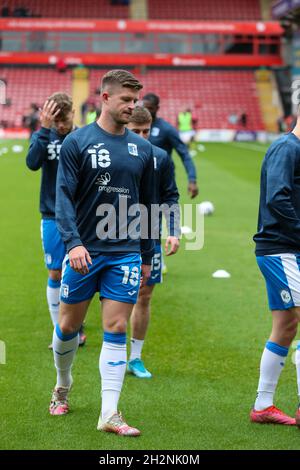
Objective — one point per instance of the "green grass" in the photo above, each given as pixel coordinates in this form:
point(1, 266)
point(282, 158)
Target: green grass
point(203, 346)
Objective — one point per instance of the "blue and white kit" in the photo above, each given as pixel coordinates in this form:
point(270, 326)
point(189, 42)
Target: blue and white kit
point(115, 277)
point(99, 175)
point(44, 153)
point(53, 246)
point(282, 276)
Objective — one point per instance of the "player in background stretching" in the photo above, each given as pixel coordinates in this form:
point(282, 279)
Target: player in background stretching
point(278, 256)
point(56, 123)
point(104, 172)
point(165, 136)
point(166, 192)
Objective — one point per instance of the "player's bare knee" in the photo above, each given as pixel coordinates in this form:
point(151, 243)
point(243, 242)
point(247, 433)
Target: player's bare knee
point(291, 328)
point(144, 299)
point(67, 327)
point(55, 274)
point(118, 325)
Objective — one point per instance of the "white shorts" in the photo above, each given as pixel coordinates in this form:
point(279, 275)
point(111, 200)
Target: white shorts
point(187, 136)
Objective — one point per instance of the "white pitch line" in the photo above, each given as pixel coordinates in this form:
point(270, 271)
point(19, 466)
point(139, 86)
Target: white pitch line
point(250, 147)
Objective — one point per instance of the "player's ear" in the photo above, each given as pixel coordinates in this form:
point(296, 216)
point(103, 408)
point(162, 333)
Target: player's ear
point(105, 96)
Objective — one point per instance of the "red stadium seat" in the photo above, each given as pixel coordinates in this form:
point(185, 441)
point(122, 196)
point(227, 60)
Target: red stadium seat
point(71, 8)
point(205, 10)
point(212, 95)
point(26, 86)
point(219, 94)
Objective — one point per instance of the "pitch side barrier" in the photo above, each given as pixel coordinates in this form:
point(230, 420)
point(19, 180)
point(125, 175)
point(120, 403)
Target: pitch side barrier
point(233, 135)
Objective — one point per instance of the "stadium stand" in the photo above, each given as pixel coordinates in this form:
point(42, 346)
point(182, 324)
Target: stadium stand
point(204, 10)
point(69, 8)
point(26, 86)
point(157, 9)
point(213, 95)
point(209, 93)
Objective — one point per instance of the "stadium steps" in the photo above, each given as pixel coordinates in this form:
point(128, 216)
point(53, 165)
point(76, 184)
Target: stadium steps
point(269, 99)
point(265, 10)
point(138, 10)
point(80, 91)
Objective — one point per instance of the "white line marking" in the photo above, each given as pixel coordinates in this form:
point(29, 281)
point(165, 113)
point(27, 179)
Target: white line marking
point(250, 147)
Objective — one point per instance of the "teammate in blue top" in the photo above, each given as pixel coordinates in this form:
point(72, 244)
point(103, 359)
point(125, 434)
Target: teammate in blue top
point(165, 136)
point(278, 256)
point(105, 172)
point(166, 192)
point(56, 123)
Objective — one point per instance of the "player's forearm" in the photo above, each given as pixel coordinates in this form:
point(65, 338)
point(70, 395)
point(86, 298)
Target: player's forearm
point(65, 212)
point(173, 221)
point(37, 153)
point(68, 229)
point(190, 169)
point(147, 250)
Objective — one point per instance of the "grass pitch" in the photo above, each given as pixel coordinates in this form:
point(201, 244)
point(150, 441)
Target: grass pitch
point(203, 346)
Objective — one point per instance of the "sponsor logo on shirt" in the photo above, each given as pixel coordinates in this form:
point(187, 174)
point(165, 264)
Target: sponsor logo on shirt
point(104, 179)
point(102, 183)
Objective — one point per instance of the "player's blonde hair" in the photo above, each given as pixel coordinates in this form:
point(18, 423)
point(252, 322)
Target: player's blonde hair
point(64, 103)
point(140, 115)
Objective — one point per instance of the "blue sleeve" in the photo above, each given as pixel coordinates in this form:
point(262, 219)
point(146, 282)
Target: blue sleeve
point(66, 186)
point(38, 152)
point(280, 181)
point(147, 197)
point(183, 152)
point(169, 195)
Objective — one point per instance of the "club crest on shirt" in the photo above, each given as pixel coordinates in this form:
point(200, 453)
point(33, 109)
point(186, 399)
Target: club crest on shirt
point(155, 131)
point(132, 149)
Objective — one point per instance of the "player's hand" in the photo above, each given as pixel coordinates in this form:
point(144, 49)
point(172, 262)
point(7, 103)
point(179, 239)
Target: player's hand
point(48, 114)
point(79, 258)
point(171, 246)
point(145, 274)
point(193, 190)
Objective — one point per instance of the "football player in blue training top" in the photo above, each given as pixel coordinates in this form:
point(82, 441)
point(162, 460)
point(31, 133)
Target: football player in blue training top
point(56, 123)
point(104, 195)
point(166, 192)
point(165, 136)
point(278, 257)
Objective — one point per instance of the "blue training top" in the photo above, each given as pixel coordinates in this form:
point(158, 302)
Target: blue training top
point(166, 191)
point(101, 178)
point(279, 205)
point(43, 153)
point(165, 136)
